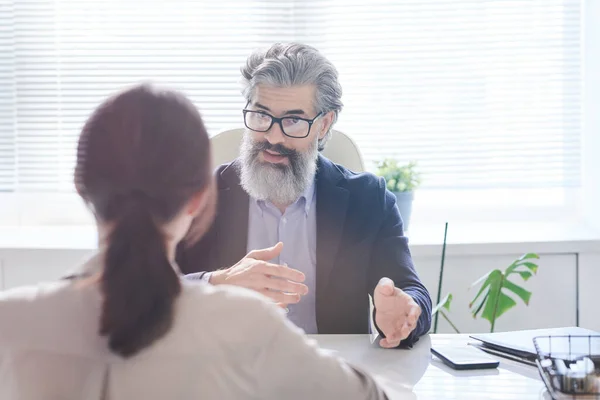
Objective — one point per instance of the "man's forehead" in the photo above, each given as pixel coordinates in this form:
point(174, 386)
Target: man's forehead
point(280, 100)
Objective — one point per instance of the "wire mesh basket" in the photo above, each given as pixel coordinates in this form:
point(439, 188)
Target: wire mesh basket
point(569, 365)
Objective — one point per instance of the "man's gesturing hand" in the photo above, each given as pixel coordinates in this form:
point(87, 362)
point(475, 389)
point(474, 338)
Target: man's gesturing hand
point(280, 283)
point(396, 313)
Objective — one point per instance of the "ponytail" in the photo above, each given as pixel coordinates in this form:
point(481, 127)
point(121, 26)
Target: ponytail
point(138, 283)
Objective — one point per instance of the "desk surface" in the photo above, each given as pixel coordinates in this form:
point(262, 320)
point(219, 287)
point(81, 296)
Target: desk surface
point(415, 374)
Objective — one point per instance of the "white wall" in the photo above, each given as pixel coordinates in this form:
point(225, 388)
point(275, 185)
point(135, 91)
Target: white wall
point(23, 267)
point(589, 290)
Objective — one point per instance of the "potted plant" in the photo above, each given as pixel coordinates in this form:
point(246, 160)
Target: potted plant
point(401, 180)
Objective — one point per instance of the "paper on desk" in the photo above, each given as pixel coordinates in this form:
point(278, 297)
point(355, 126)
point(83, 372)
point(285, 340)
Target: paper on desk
point(522, 341)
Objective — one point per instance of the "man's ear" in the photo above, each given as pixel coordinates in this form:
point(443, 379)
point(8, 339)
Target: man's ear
point(326, 122)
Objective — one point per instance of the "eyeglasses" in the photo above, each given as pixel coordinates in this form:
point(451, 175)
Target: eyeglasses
point(294, 127)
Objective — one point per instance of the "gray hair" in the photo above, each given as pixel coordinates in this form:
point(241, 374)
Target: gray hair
point(286, 65)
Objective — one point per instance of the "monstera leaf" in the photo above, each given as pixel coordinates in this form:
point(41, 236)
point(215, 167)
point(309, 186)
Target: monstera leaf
point(492, 300)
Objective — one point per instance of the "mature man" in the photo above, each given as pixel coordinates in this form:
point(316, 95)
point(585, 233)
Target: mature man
point(342, 233)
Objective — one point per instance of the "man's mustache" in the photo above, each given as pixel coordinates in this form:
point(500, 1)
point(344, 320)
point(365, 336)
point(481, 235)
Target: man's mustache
point(275, 148)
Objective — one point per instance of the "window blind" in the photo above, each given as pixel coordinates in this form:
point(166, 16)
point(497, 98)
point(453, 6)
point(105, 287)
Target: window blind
point(482, 94)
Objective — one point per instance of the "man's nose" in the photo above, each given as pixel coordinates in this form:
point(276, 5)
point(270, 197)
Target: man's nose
point(275, 134)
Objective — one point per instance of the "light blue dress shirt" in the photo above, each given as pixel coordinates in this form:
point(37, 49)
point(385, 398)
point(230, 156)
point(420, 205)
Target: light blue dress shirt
point(297, 230)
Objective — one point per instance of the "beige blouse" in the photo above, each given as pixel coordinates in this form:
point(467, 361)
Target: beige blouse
point(226, 343)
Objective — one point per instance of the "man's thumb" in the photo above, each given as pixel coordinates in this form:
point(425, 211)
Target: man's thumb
point(385, 287)
point(266, 254)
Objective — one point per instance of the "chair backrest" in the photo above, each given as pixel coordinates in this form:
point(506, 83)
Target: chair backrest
point(340, 149)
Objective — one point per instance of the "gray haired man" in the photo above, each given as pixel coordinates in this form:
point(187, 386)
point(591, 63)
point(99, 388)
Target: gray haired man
point(329, 237)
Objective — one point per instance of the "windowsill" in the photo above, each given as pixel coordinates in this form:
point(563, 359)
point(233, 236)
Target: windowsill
point(49, 237)
point(479, 238)
point(425, 239)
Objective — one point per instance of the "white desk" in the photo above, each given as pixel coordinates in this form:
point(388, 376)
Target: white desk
point(415, 374)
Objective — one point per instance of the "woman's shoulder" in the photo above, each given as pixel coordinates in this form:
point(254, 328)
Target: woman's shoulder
point(25, 296)
point(223, 298)
point(34, 309)
point(228, 307)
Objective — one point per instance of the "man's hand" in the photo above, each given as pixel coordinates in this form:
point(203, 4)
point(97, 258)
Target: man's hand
point(278, 282)
point(396, 313)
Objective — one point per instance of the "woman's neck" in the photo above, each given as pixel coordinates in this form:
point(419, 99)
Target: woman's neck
point(170, 244)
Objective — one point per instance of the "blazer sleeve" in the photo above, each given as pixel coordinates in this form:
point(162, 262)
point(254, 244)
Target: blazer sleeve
point(391, 258)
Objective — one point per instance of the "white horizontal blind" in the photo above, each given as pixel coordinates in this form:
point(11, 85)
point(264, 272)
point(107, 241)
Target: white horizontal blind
point(7, 98)
point(66, 56)
point(481, 93)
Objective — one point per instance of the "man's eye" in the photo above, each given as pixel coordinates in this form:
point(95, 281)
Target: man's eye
point(292, 121)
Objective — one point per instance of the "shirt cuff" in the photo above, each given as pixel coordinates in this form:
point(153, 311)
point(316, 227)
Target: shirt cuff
point(198, 276)
point(206, 277)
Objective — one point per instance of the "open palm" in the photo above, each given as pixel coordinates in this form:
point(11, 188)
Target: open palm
point(396, 313)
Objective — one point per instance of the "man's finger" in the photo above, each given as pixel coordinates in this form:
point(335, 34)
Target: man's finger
point(280, 271)
point(388, 344)
point(280, 297)
point(405, 331)
point(413, 314)
point(282, 285)
point(266, 254)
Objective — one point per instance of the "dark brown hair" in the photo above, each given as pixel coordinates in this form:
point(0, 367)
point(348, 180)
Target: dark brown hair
point(142, 155)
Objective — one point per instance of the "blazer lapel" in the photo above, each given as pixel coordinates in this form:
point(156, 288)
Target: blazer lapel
point(232, 220)
point(332, 205)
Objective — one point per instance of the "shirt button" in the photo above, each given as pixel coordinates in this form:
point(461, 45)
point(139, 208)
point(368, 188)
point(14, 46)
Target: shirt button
point(284, 220)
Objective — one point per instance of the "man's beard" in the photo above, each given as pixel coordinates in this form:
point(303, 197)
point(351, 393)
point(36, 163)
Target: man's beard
point(280, 184)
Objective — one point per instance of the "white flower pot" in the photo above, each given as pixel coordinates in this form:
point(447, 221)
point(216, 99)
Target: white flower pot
point(404, 201)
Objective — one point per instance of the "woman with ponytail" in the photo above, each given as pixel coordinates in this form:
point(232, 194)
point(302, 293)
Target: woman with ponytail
point(124, 325)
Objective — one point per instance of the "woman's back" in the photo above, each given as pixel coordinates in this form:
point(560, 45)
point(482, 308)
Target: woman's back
point(225, 343)
point(126, 327)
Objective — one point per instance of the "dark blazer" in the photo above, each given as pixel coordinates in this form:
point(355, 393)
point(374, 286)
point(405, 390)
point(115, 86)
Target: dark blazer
point(360, 239)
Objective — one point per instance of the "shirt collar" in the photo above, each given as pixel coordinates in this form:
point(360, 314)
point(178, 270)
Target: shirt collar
point(307, 197)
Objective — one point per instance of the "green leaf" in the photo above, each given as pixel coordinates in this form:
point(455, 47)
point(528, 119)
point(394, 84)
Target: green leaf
point(488, 280)
point(399, 178)
point(520, 261)
point(515, 265)
point(525, 295)
point(525, 275)
point(478, 281)
point(444, 303)
point(529, 265)
point(528, 256)
point(480, 306)
point(391, 184)
point(493, 295)
point(490, 310)
point(505, 303)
